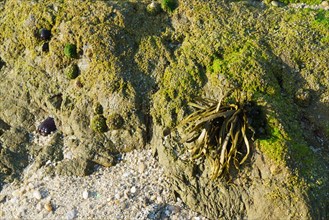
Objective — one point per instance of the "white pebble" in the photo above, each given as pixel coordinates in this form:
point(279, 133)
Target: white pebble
point(117, 196)
point(126, 174)
point(133, 189)
point(85, 194)
point(141, 167)
point(71, 214)
point(38, 207)
point(159, 199)
point(37, 194)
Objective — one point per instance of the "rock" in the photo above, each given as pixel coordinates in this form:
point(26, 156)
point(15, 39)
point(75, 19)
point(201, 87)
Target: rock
point(85, 194)
point(48, 206)
point(76, 166)
point(37, 194)
point(147, 69)
point(133, 190)
point(324, 4)
point(276, 3)
point(72, 214)
point(141, 167)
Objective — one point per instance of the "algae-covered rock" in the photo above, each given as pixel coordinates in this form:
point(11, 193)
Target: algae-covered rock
point(259, 52)
point(135, 73)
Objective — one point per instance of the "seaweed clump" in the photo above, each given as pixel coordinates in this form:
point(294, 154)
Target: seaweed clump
point(98, 124)
point(72, 71)
point(70, 50)
point(217, 132)
point(169, 5)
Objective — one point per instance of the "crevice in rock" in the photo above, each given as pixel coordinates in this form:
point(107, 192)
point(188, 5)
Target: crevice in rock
point(2, 63)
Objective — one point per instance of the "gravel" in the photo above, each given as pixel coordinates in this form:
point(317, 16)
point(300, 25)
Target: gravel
point(136, 188)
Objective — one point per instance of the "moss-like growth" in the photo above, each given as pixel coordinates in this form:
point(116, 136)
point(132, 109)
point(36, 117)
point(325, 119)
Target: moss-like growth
point(72, 71)
point(98, 108)
point(216, 66)
point(115, 121)
point(169, 5)
point(98, 124)
point(70, 50)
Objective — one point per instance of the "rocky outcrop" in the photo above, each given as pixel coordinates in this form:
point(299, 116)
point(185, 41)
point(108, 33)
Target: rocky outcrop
point(117, 76)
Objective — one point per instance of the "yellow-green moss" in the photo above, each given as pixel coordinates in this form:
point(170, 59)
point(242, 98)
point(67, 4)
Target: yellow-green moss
point(72, 71)
point(98, 124)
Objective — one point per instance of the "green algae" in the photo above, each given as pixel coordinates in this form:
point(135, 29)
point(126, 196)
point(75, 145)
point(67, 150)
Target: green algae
point(72, 71)
point(70, 50)
point(98, 124)
point(166, 60)
point(168, 5)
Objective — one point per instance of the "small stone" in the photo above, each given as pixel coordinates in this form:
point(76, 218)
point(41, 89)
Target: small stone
point(325, 4)
point(38, 207)
point(45, 34)
point(45, 47)
point(133, 190)
point(159, 199)
point(141, 167)
point(173, 209)
point(117, 196)
point(37, 194)
point(48, 206)
point(276, 3)
point(153, 198)
point(85, 194)
point(71, 214)
point(167, 212)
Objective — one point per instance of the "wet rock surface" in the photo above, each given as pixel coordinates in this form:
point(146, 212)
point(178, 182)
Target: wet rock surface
point(136, 68)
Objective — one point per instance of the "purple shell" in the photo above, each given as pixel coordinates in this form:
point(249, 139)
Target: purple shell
point(47, 126)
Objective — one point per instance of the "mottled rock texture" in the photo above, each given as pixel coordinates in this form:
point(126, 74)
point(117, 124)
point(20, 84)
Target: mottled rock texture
point(144, 68)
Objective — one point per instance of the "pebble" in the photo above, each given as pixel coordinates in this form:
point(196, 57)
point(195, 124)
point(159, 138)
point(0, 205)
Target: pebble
point(133, 190)
point(16, 193)
point(159, 199)
point(117, 196)
point(37, 194)
point(71, 214)
point(141, 167)
point(48, 206)
point(85, 194)
point(38, 207)
point(275, 3)
point(324, 4)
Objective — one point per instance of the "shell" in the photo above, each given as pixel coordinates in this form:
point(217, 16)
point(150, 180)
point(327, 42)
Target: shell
point(47, 126)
